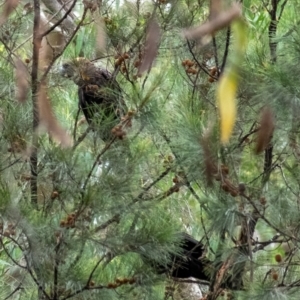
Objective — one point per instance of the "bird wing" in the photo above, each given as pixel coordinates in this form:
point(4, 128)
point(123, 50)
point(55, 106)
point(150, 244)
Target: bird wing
point(101, 94)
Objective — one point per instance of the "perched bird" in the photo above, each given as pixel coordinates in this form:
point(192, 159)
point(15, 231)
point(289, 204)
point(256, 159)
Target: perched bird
point(100, 96)
point(193, 263)
point(189, 263)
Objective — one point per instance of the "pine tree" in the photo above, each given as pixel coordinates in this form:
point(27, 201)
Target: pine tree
point(87, 218)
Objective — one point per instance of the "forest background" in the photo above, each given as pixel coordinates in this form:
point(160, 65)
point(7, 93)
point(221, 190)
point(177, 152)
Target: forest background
point(211, 149)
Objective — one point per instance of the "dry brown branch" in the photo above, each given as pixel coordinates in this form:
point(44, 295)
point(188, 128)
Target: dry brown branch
point(215, 8)
point(57, 12)
point(151, 46)
point(217, 23)
point(22, 80)
point(265, 131)
point(8, 8)
point(48, 120)
point(101, 35)
point(52, 44)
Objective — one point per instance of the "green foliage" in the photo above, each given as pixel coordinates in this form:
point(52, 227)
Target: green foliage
point(108, 216)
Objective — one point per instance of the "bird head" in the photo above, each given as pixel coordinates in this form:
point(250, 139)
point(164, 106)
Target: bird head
point(79, 70)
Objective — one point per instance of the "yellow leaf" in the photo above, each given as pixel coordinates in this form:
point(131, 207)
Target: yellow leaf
point(239, 29)
point(226, 91)
point(227, 104)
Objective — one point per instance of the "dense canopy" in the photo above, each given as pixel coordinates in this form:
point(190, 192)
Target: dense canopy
point(183, 183)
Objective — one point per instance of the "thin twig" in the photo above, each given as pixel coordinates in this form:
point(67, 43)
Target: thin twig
point(226, 50)
point(61, 20)
point(19, 287)
point(281, 9)
point(66, 45)
point(96, 162)
point(266, 220)
point(81, 138)
point(216, 54)
point(55, 273)
point(94, 269)
point(87, 285)
point(27, 267)
point(197, 61)
point(11, 164)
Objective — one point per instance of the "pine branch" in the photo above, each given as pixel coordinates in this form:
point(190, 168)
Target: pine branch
point(272, 30)
point(226, 50)
point(56, 266)
point(27, 267)
point(37, 39)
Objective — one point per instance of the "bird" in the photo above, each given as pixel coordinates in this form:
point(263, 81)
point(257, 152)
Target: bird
point(190, 262)
point(100, 96)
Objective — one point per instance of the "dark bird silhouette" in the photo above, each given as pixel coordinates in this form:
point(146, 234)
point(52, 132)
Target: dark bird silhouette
point(190, 262)
point(100, 96)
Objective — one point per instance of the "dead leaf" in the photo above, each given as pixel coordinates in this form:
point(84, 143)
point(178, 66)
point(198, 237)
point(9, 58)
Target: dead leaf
point(101, 35)
point(265, 132)
point(220, 21)
point(8, 8)
point(50, 45)
point(151, 46)
point(48, 120)
point(215, 8)
point(22, 81)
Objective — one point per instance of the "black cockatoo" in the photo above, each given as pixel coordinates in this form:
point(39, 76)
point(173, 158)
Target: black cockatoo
point(190, 263)
point(193, 263)
point(100, 96)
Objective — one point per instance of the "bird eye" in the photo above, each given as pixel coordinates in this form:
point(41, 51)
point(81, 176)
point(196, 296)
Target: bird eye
point(65, 65)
